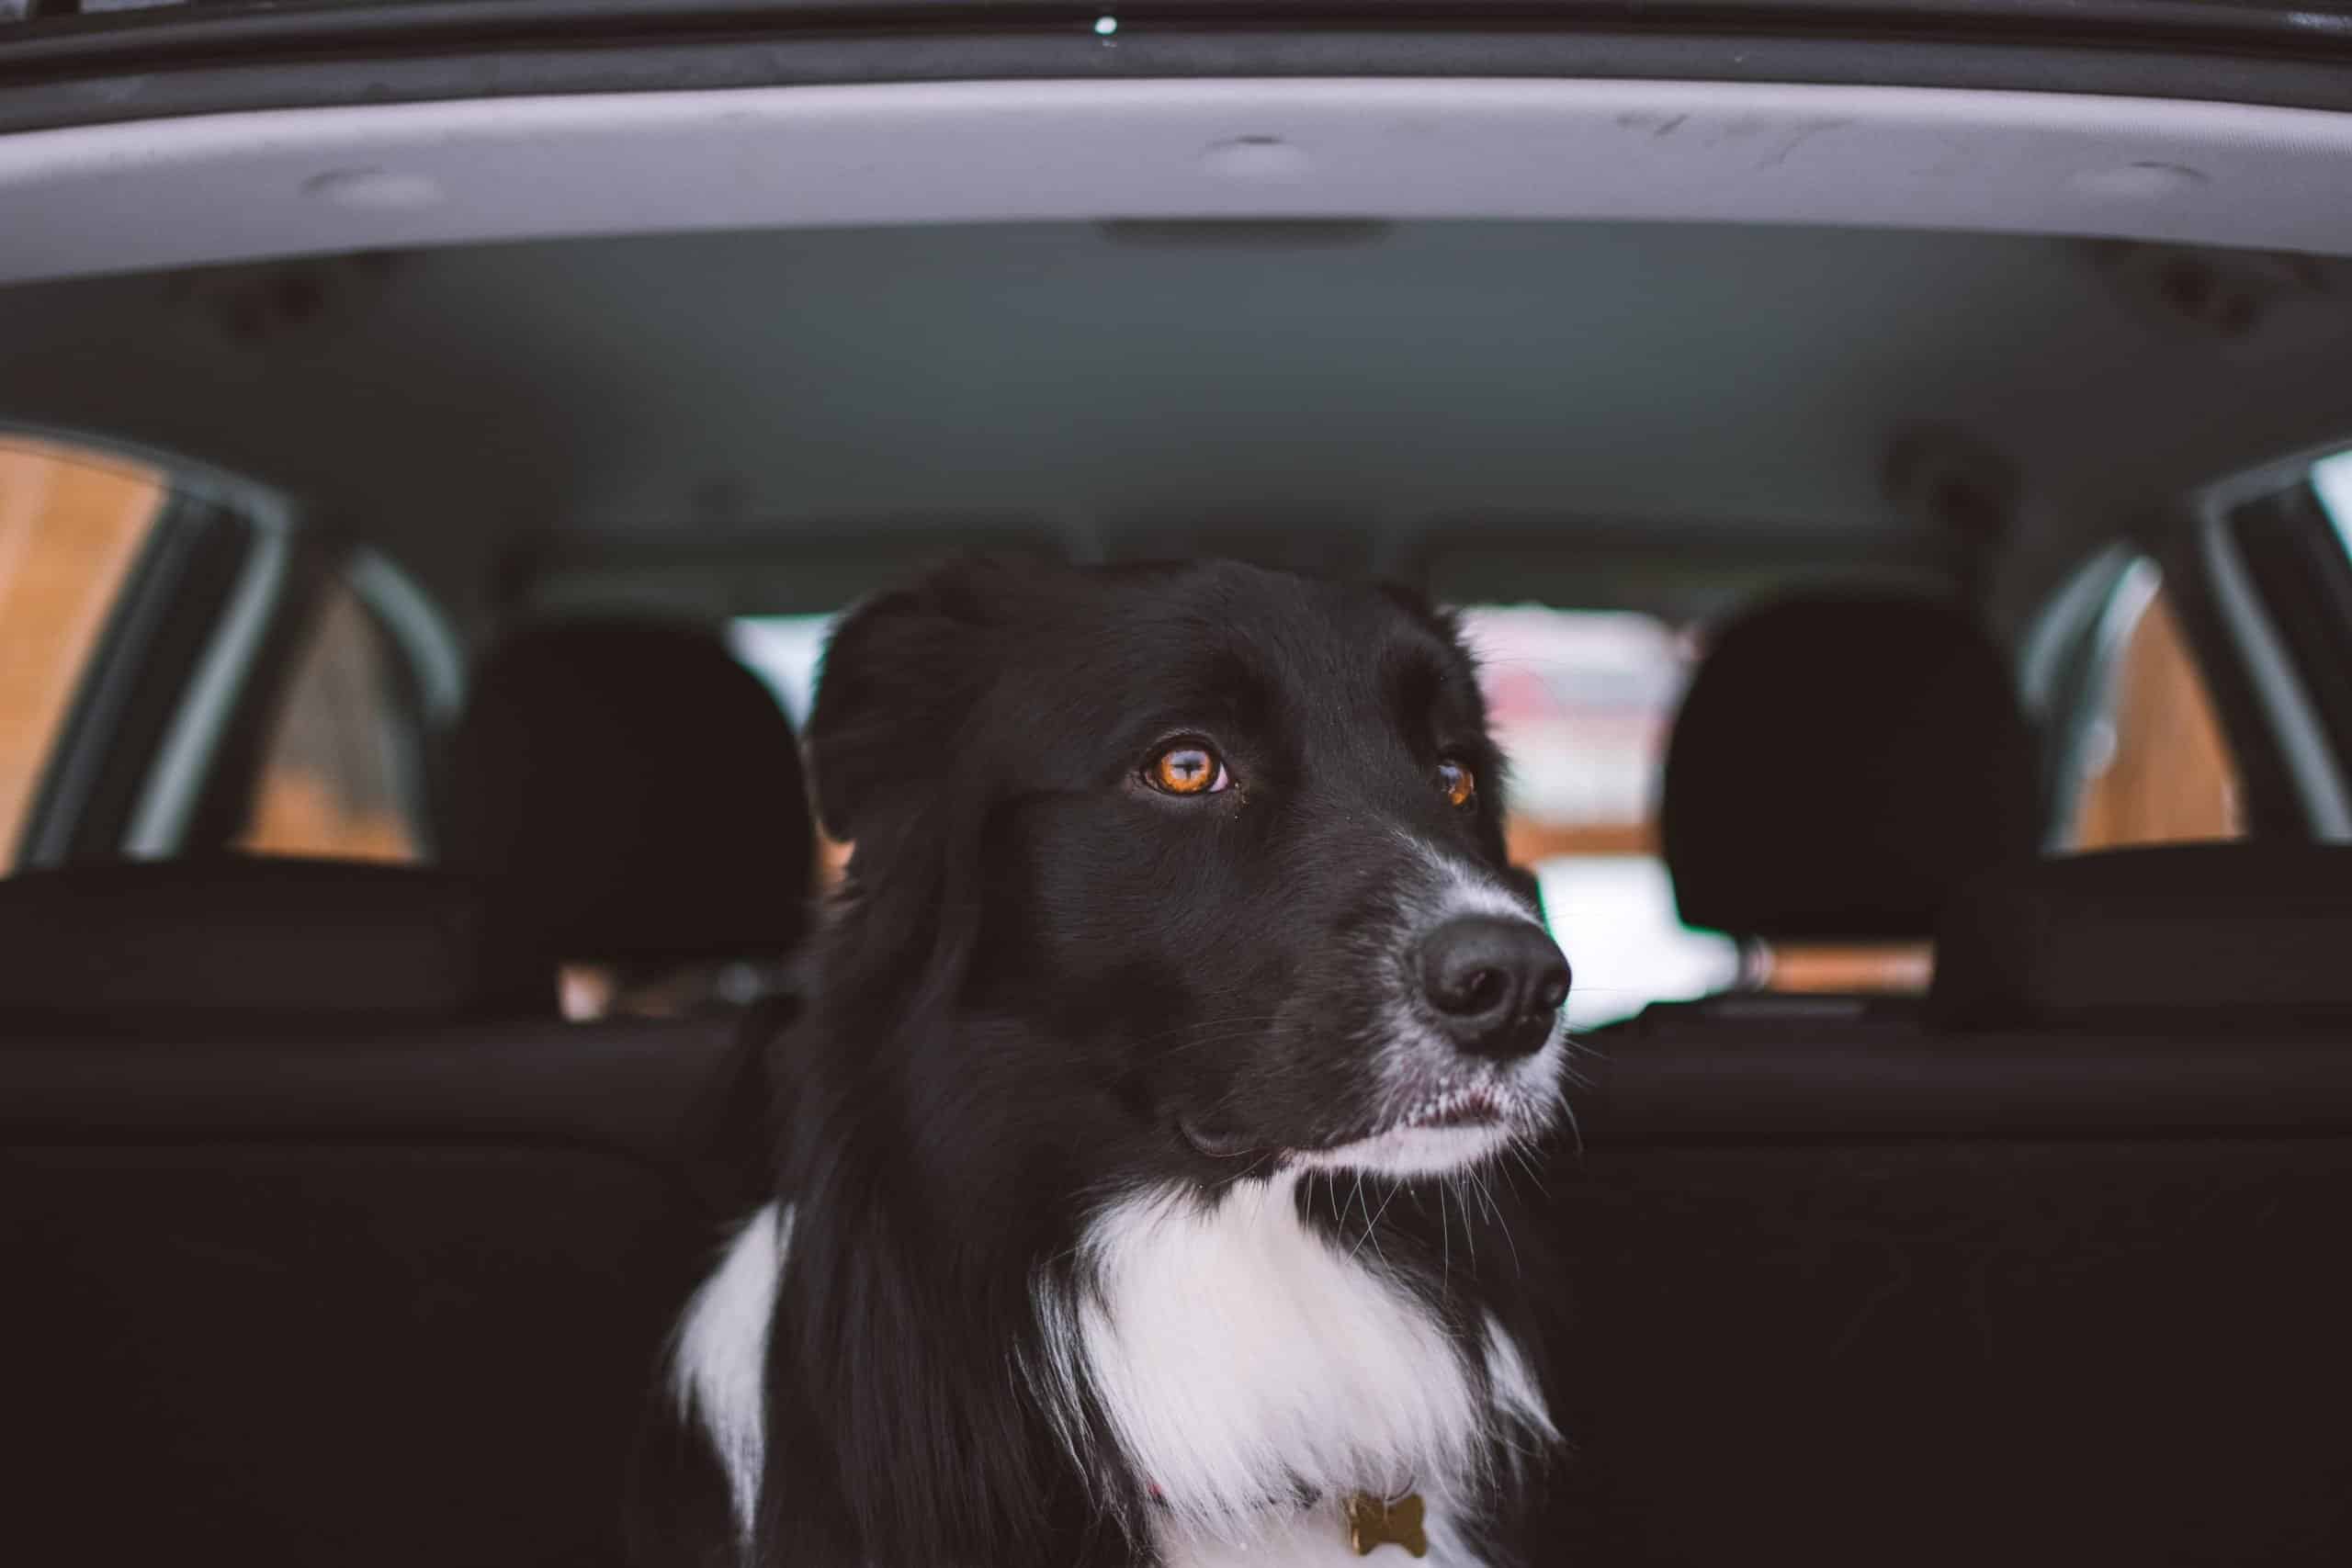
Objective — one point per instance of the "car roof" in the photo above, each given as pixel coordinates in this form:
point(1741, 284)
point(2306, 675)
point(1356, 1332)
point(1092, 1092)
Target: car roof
point(1612, 341)
point(1600, 413)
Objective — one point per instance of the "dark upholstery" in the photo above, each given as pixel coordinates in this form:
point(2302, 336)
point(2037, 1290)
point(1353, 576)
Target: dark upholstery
point(362, 1299)
point(2044, 1351)
point(1889, 1077)
point(634, 791)
point(1871, 1285)
point(283, 938)
point(328, 1243)
point(2183, 936)
point(1843, 761)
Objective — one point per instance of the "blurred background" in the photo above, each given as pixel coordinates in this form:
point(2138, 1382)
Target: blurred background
point(1583, 700)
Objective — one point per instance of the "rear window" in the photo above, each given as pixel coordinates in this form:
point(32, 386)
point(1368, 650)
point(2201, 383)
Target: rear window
point(1582, 703)
point(782, 650)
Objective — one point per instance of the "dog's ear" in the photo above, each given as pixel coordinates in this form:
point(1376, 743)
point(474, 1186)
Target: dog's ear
point(899, 678)
point(903, 687)
point(1409, 598)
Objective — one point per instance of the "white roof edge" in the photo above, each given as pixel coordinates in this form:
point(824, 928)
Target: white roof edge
point(170, 192)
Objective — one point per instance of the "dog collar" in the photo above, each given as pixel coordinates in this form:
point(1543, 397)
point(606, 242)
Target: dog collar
point(1372, 1521)
point(1376, 1522)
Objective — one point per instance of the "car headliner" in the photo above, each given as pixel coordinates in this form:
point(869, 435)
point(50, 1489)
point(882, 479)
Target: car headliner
point(1635, 391)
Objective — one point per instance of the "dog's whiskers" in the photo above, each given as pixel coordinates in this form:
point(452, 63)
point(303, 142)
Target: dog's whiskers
point(1502, 1222)
point(1372, 1226)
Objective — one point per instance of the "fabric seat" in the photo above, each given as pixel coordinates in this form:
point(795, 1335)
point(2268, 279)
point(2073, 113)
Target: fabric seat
point(634, 794)
point(2034, 1273)
point(327, 1240)
point(1843, 761)
point(2038, 1268)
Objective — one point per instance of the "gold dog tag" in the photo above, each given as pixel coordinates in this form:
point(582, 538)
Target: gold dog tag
point(1372, 1522)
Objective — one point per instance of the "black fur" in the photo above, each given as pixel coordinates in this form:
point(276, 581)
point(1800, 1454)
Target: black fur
point(1044, 983)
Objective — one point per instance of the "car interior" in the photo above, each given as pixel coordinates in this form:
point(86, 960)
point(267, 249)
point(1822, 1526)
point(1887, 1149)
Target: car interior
point(1925, 653)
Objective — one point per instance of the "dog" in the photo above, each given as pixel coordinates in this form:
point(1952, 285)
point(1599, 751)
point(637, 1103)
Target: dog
point(1147, 1136)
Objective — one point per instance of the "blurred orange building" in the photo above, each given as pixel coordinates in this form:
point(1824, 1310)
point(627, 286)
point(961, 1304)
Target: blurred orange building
point(70, 528)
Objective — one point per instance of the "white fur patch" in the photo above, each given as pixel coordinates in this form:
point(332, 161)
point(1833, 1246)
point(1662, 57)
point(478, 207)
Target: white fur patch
point(718, 1370)
point(1240, 1355)
point(1465, 889)
point(1413, 1056)
point(1412, 1151)
point(1518, 1397)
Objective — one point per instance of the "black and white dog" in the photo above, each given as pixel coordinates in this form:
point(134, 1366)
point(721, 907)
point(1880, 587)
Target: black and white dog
point(1144, 1138)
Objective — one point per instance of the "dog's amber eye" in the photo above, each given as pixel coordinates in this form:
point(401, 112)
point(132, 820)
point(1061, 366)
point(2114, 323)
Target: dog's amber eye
point(1457, 783)
point(1186, 768)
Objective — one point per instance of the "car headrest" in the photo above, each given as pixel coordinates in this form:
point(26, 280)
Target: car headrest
point(291, 938)
point(2180, 935)
point(634, 789)
point(1842, 761)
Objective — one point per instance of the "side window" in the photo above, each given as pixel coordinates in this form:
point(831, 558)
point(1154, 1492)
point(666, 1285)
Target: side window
point(70, 526)
point(337, 777)
point(2153, 766)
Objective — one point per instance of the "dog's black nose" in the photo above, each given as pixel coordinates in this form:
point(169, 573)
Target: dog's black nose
point(1496, 984)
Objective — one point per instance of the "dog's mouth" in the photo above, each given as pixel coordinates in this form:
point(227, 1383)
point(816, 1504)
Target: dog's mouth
point(1483, 1106)
point(1472, 1105)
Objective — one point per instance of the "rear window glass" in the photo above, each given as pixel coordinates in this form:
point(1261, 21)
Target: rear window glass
point(782, 650)
point(1582, 703)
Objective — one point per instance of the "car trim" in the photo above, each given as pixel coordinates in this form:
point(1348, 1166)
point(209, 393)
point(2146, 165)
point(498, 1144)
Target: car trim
point(228, 187)
point(2294, 726)
point(182, 764)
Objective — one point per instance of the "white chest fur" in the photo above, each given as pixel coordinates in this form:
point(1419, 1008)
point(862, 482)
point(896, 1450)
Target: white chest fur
point(1239, 1356)
point(717, 1370)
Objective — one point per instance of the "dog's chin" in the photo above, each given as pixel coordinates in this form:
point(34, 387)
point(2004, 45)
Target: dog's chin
point(1449, 1130)
point(1409, 1151)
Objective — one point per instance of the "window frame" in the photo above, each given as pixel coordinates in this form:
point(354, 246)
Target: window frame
point(2068, 673)
point(2261, 585)
point(2299, 567)
point(2294, 759)
point(425, 690)
point(156, 641)
point(167, 728)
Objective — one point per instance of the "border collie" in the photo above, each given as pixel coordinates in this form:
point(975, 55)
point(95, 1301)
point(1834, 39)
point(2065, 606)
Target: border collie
point(1142, 1193)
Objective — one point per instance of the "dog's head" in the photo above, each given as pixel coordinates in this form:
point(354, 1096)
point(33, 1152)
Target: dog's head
point(1206, 861)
